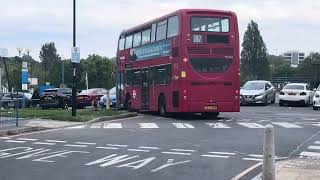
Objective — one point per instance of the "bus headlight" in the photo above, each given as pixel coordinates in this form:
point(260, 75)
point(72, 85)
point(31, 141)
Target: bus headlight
point(196, 38)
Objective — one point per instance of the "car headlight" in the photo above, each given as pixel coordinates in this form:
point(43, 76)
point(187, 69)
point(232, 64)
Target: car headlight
point(303, 94)
point(317, 95)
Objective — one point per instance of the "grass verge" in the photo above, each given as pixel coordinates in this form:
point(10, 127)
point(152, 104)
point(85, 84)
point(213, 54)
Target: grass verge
point(83, 115)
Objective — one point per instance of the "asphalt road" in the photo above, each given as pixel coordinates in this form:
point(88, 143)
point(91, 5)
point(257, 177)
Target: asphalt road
point(151, 147)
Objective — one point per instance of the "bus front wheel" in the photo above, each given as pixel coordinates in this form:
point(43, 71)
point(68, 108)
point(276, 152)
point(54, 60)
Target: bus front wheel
point(162, 106)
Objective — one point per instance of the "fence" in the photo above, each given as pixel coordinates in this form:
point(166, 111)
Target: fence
point(9, 111)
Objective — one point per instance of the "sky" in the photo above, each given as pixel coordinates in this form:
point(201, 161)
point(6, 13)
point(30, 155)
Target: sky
point(284, 24)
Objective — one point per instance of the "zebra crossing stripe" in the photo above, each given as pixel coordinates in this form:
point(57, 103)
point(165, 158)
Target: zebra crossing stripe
point(286, 125)
point(148, 125)
point(95, 125)
point(77, 127)
point(251, 125)
point(112, 125)
point(314, 147)
point(183, 125)
point(318, 124)
point(310, 154)
point(317, 142)
point(218, 125)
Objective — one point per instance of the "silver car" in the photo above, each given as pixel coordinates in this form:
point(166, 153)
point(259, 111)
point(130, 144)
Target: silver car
point(258, 91)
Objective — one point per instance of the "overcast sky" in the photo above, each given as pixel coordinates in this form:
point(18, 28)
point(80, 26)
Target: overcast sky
point(284, 24)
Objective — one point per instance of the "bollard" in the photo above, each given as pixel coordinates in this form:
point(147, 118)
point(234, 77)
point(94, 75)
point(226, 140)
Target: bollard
point(107, 101)
point(268, 166)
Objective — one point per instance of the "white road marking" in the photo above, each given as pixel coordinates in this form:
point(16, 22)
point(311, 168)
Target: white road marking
point(314, 147)
point(45, 143)
point(117, 145)
point(96, 126)
point(310, 154)
point(75, 145)
point(215, 156)
point(148, 125)
point(102, 147)
point(77, 127)
point(286, 125)
point(112, 125)
point(251, 159)
point(27, 139)
point(176, 153)
point(5, 138)
point(183, 125)
point(183, 150)
point(14, 141)
point(311, 119)
point(139, 150)
point(218, 125)
point(317, 142)
point(243, 173)
point(146, 147)
point(85, 143)
point(225, 153)
point(318, 124)
point(251, 125)
point(256, 155)
point(55, 141)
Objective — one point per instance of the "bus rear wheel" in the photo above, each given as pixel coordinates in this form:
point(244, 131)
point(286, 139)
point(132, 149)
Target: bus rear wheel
point(210, 114)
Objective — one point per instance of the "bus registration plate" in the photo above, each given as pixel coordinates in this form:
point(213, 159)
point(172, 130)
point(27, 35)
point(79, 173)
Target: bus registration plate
point(210, 108)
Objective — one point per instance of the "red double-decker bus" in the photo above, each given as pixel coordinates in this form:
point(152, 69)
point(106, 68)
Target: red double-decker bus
point(186, 61)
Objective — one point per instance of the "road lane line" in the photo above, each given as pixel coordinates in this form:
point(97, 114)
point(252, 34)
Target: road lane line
point(310, 154)
point(225, 153)
point(146, 147)
point(117, 145)
point(218, 125)
point(75, 145)
point(45, 143)
point(251, 159)
point(251, 125)
point(183, 125)
point(256, 155)
point(286, 125)
point(214, 156)
point(183, 150)
point(243, 173)
point(139, 150)
point(103, 147)
point(14, 141)
point(112, 125)
point(148, 125)
point(55, 141)
point(317, 142)
point(176, 153)
point(27, 139)
point(314, 147)
point(85, 143)
point(5, 138)
point(318, 124)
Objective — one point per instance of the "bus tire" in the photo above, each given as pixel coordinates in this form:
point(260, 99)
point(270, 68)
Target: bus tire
point(162, 109)
point(127, 103)
point(213, 115)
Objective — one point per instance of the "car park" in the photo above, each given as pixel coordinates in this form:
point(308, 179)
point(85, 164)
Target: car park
point(90, 97)
point(316, 99)
point(56, 98)
point(257, 92)
point(7, 100)
point(296, 93)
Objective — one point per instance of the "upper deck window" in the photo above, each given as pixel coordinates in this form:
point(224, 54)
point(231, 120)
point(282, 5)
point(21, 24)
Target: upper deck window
point(173, 26)
point(145, 36)
point(136, 39)
point(210, 24)
point(121, 44)
point(129, 42)
point(153, 32)
point(161, 30)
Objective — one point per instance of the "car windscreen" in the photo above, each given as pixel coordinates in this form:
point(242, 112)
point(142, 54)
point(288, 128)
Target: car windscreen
point(65, 91)
point(51, 91)
point(112, 90)
point(294, 87)
point(253, 86)
point(318, 88)
point(210, 65)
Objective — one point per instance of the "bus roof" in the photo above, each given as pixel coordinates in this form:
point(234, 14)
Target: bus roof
point(180, 11)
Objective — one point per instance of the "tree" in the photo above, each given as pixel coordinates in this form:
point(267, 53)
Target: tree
point(254, 63)
point(51, 63)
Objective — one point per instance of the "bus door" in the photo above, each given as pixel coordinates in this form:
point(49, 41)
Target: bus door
point(144, 90)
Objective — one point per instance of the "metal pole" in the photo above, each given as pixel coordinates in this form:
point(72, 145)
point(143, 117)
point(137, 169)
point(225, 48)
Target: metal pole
point(268, 166)
point(74, 89)
point(6, 69)
point(62, 72)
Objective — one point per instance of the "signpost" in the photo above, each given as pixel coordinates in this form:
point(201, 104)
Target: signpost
point(75, 55)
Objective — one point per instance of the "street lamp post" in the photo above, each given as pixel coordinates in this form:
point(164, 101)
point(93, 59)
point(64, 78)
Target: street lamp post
point(74, 110)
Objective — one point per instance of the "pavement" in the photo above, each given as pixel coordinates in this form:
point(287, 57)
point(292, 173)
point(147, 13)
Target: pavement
point(179, 147)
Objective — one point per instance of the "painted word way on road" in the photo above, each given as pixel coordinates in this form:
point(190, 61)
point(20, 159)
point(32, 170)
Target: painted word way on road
point(50, 156)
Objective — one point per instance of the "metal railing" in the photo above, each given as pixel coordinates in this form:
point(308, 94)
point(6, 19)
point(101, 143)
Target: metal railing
point(9, 112)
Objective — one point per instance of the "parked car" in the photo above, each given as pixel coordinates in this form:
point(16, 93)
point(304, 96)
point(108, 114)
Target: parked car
point(316, 99)
point(257, 91)
point(56, 98)
point(7, 102)
point(90, 97)
point(112, 96)
point(296, 93)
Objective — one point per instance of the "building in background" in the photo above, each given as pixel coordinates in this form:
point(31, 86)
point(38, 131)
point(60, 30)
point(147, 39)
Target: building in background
point(294, 57)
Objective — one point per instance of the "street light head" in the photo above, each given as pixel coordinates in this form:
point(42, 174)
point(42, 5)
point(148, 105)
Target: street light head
point(19, 50)
point(28, 50)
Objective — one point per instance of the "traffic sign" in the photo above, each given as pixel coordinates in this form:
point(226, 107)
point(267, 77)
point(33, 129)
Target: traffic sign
point(4, 52)
point(75, 54)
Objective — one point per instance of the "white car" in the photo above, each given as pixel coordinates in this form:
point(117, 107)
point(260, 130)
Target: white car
point(316, 99)
point(296, 93)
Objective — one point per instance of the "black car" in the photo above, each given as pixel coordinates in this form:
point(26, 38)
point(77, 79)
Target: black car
point(56, 98)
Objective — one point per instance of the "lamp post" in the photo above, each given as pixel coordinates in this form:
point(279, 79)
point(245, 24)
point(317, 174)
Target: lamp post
point(74, 110)
point(62, 70)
